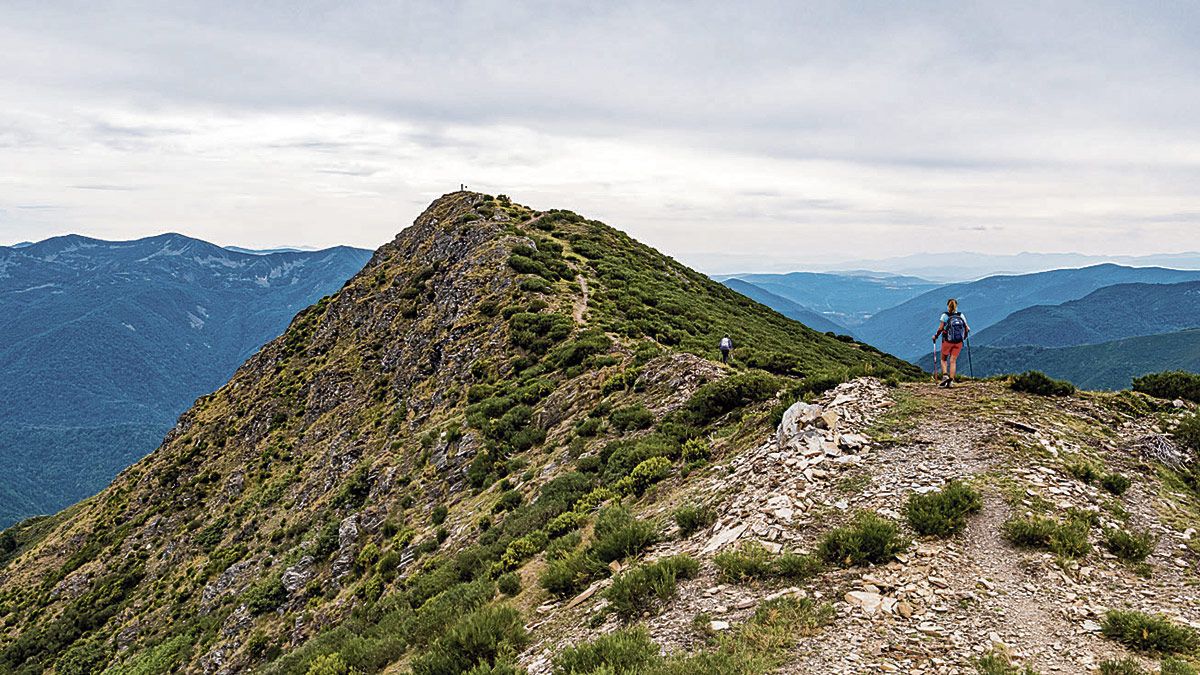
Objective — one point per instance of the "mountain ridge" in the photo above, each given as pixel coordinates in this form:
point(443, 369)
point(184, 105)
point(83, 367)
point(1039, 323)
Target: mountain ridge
point(471, 350)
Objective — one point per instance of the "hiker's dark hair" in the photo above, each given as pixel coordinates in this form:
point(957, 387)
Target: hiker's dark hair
point(952, 305)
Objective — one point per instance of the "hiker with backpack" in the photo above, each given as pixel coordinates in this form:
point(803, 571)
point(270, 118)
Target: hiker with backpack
point(726, 348)
point(953, 330)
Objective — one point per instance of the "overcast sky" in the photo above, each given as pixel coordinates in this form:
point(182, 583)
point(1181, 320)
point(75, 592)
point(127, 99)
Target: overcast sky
point(733, 135)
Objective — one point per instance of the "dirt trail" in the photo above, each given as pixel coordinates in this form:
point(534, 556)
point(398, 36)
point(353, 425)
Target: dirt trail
point(581, 303)
point(976, 591)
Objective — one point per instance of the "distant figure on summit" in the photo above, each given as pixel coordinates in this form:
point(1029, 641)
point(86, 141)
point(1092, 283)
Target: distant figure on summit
point(953, 330)
point(726, 348)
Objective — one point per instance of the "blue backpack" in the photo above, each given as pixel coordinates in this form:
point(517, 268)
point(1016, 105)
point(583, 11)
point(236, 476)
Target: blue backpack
point(956, 328)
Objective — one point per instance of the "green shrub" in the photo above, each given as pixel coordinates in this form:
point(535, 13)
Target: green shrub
point(477, 638)
point(265, 595)
point(620, 535)
point(719, 398)
point(1085, 471)
point(1068, 539)
point(692, 518)
point(1125, 666)
point(1175, 666)
point(1149, 633)
point(644, 475)
point(1170, 385)
point(329, 664)
point(509, 583)
point(589, 427)
point(942, 513)
point(642, 588)
point(1129, 547)
point(871, 539)
point(999, 663)
point(1115, 483)
point(753, 562)
point(508, 500)
point(1188, 432)
point(1035, 382)
point(749, 561)
point(439, 514)
point(567, 576)
point(631, 418)
point(83, 658)
point(696, 450)
point(623, 652)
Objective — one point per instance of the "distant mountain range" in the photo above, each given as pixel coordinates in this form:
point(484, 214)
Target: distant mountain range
point(784, 306)
point(970, 266)
point(847, 298)
point(105, 343)
point(905, 330)
point(1109, 365)
point(1107, 314)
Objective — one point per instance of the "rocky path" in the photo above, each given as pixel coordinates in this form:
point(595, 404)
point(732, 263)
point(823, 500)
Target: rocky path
point(579, 311)
point(944, 602)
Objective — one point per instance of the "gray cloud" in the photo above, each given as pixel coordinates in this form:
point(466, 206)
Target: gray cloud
point(1002, 125)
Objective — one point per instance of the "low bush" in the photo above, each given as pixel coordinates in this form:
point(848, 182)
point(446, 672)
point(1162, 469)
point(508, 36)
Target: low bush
point(568, 575)
point(624, 651)
point(1187, 433)
point(692, 518)
point(1036, 382)
point(999, 663)
point(696, 451)
point(476, 638)
point(871, 539)
point(945, 512)
point(620, 535)
point(1170, 385)
point(644, 475)
point(1084, 471)
point(631, 418)
point(1175, 666)
point(1125, 666)
point(1068, 539)
point(1129, 547)
point(1149, 633)
point(509, 583)
point(753, 562)
point(643, 588)
point(1115, 483)
point(719, 398)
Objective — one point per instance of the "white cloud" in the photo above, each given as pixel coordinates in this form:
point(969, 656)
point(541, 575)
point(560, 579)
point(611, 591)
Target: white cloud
point(724, 133)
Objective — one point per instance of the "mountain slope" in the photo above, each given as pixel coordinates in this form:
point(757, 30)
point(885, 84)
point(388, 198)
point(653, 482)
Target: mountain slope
point(785, 307)
point(1108, 314)
point(846, 298)
point(1109, 365)
point(905, 330)
point(105, 343)
point(357, 485)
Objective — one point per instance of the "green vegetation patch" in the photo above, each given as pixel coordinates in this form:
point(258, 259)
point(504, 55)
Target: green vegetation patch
point(1068, 539)
point(1149, 633)
point(945, 512)
point(1036, 382)
point(869, 540)
point(753, 562)
point(692, 518)
point(646, 587)
point(1170, 385)
point(1129, 547)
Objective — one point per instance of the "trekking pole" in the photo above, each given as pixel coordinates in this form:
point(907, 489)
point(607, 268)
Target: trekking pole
point(936, 362)
point(970, 363)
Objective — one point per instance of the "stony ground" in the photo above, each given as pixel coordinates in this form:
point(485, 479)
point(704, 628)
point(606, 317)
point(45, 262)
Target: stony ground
point(943, 602)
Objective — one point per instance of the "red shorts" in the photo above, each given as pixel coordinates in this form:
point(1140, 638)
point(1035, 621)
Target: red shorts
point(951, 348)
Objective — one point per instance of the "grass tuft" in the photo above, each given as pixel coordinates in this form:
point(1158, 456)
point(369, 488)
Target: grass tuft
point(1149, 633)
point(943, 513)
point(871, 539)
point(1068, 539)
